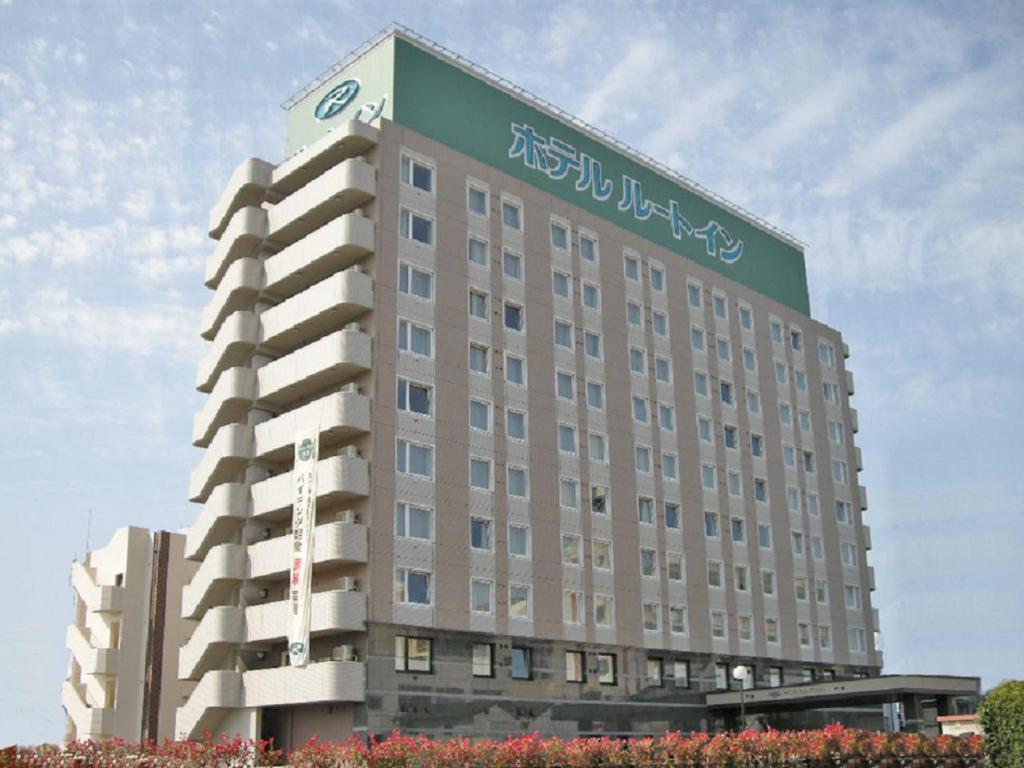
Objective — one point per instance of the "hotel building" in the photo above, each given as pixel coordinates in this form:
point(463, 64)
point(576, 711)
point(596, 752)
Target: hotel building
point(584, 451)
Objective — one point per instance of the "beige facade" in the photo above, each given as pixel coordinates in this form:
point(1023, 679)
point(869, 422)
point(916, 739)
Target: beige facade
point(541, 435)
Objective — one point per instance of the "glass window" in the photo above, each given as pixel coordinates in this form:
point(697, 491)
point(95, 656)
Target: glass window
point(768, 582)
point(414, 459)
point(416, 226)
point(476, 200)
point(413, 397)
point(515, 424)
point(659, 322)
point(675, 566)
point(478, 304)
point(480, 415)
point(518, 604)
point(414, 338)
point(565, 385)
point(669, 466)
point(480, 474)
point(479, 359)
point(563, 334)
point(521, 668)
point(643, 459)
point(640, 409)
point(731, 435)
point(588, 248)
point(719, 305)
point(481, 596)
point(513, 265)
point(632, 266)
point(560, 284)
point(595, 395)
point(749, 359)
point(568, 493)
point(567, 438)
point(572, 607)
point(653, 673)
point(741, 578)
point(704, 431)
point(414, 281)
point(753, 401)
point(480, 533)
point(697, 338)
point(746, 317)
point(760, 489)
point(764, 535)
point(657, 279)
point(518, 483)
point(515, 369)
point(412, 586)
point(598, 499)
point(636, 361)
point(662, 371)
point(413, 522)
point(575, 667)
point(648, 562)
point(714, 573)
point(677, 619)
point(738, 530)
point(412, 654)
point(681, 673)
point(559, 235)
point(592, 344)
point(591, 296)
point(606, 668)
point(651, 616)
point(519, 540)
point(476, 251)
point(511, 215)
point(645, 510)
point(725, 388)
point(776, 329)
point(483, 660)
point(711, 524)
point(718, 624)
point(602, 554)
point(667, 417)
point(724, 349)
point(694, 295)
point(700, 383)
point(513, 316)
point(634, 314)
point(757, 445)
point(745, 622)
point(734, 483)
point(672, 519)
point(417, 174)
point(597, 445)
point(708, 477)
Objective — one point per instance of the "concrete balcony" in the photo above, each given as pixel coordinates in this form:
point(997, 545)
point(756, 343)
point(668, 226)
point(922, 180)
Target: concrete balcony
point(871, 578)
point(225, 510)
point(339, 478)
point(232, 346)
point(95, 723)
point(218, 690)
point(322, 681)
point(309, 314)
point(222, 628)
point(334, 611)
point(222, 570)
point(858, 459)
point(91, 660)
point(338, 191)
point(242, 283)
point(854, 421)
point(862, 494)
point(335, 246)
point(229, 401)
point(247, 186)
point(97, 598)
point(333, 544)
point(342, 142)
point(332, 360)
point(242, 238)
point(867, 537)
point(849, 383)
point(846, 350)
point(339, 417)
point(229, 452)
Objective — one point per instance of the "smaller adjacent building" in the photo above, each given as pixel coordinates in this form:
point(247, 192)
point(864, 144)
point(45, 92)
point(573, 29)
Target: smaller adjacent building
point(124, 638)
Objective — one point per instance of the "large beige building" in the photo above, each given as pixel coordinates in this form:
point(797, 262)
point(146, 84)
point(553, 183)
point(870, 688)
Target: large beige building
point(583, 449)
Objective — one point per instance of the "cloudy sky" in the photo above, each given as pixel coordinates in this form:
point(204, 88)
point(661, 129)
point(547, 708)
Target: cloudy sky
point(887, 136)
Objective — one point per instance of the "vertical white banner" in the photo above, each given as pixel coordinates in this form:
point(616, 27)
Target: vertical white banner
point(307, 449)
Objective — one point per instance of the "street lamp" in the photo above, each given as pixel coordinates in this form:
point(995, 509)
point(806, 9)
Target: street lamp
point(741, 673)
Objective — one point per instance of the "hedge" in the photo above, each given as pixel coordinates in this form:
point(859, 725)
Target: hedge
point(1002, 716)
point(831, 747)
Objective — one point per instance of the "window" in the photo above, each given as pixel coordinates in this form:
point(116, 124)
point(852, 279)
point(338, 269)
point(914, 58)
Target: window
point(851, 593)
point(789, 456)
point(764, 535)
point(796, 339)
point(785, 413)
point(792, 498)
point(636, 361)
point(798, 544)
point(830, 392)
point(416, 226)
point(800, 587)
point(591, 296)
point(672, 519)
point(857, 640)
point(412, 654)
point(413, 522)
point(567, 438)
point(481, 595)
point(781, 372)
point(681, 673)
point(718, 625)
point(721, 677)
point(694, 295)
point(648, 562)
point(677, 623)
point(483, 660)
point(800, 379)
point(521, 666)
point(745, 624)
point(518, 604)
point(515, 424)
point(757, 445)
point(817, 548)
point(753, 401)
point(606, 671)
point(848, 553)
point(479, 304)
point(559, 235)
point(414, 281)
point(413, 397)
point(592, 344)
point(634, 314)
point(479, 359)
point(674, 563)
point(749, 359)
point(746, 316)
point(476, 200)
point(657, 278)
point(738, 530)
point(511, 215)
point(808, 462)
point(588, 248)
point(602, 554)
point(480, 533)
point(476, 251)
point(414, 338)
point(597, 445)
point(840, 472)
point(561, 284)
point(519, 540)
point(667, 417)
point(812, 505)
point(727, 392)
point(480, 474)
point(771, 634)
point(844, 512)
point(640, 409)
point(700, 383)
point(704, 429)
point(653, 673)
point(731, 435)
point(598, 499)
point(735, 484)
point(824, 637)
point(697, 338)
point(512, 264)
point(805, 421)
point(604, 611)
point(575, 667)
point(570, 549)
point(480, 415)
point(804, 633)
point(741, 578)
point(515, 370)
point(714, 573)
point(711, 525)
point(643, 459)
point(718, 305)
point(821, 592)
point(595, 395)
point(836, 432)
point(724, 349)
point(761, 490)
point(417, 173)
point(563, 334)
point(645, 510)
point(568, 493)
point(662, 370)
point(632, 267)
point(708, 477)
point(565, 385)
point(768, 582)
point(513, 316)
point(776, 327)
point(518, 483)
point(826, 354)
point(659, 322)
point(572, 607)
point(651, 617)
point(412, 586)
point(414, 459)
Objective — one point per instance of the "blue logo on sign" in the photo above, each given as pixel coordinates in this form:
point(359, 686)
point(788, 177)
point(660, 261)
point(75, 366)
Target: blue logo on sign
point(336, 99)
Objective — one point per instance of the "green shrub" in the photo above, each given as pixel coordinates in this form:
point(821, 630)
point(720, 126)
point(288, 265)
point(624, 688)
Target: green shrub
point(1002, 717)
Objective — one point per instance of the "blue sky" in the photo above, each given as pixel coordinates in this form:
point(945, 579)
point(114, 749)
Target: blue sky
point(887, 136)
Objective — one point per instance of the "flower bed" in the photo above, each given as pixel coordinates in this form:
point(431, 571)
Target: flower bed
point(832, 747)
